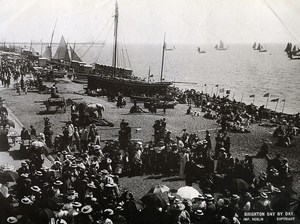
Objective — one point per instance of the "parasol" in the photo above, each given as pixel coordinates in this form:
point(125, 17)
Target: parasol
point(159, 189)
point(239, 186)
point(8, 176)
point(154, 200)
point(188, 192)
point(38, 144)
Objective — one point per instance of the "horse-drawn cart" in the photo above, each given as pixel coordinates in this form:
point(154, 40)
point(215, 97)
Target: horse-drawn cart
point(59, 104)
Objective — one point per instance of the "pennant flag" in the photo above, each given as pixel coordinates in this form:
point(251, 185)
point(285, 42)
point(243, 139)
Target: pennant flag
point(221, 90)
point(217, 85)
point(267, 95)
point(283, 100)
point(275, 100)
point(251, 96)
point(228, 92)
point(151, 76)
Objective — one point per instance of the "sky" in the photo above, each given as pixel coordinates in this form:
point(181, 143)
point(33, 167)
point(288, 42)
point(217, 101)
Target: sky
point(146, 21)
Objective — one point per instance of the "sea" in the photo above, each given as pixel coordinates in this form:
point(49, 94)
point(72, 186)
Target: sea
point(240, 69)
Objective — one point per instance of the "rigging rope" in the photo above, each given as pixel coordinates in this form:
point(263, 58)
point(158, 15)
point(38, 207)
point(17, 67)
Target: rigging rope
point(95, 39)
point(281, 21)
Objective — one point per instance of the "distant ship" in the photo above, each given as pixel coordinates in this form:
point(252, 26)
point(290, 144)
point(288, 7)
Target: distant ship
point(262, 49)
point(292, 52)
point(220, 47)
point(201, 52)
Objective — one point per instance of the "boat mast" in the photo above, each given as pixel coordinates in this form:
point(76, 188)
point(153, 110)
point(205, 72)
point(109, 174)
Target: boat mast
point(163, 58)
point(114, 60)
point(52, 39)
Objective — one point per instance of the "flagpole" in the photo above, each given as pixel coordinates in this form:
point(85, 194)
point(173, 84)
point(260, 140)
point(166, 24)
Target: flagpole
point(242, 97)
point(202, 88)
point(212, 88)
point(276, 104)
point(233, 96)
point(283, 106)
point(267, 101)
point(149, 75)
point(253, 100)
point(205, 88)
point(217, 90)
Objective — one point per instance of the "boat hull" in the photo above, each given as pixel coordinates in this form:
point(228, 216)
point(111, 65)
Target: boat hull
point(128, 87)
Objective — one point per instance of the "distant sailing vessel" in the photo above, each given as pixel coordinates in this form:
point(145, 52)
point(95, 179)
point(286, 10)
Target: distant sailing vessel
point(220, 47)
point(292, 52)
point(201, 52)
point(254, 46)
point(262, 49)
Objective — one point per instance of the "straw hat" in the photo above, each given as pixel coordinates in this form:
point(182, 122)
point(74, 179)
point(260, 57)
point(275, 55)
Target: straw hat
point(26, 175)
point(91, 185)
point(76, 204)
point(97, 147)
point(86, 209)
point(199, 212)
point(235, 197)
point(26, 201)
point(60, 221)
point(36, 189)
point(104, 172)
point(209, 197)
point(12, 219)
point(38, 173)
point(58, 183)
point(109, 211)
point(263, 195)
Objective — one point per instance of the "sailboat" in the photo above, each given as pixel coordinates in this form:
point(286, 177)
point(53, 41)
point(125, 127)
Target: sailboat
point(201, 52)
point(114, 79)
point(262, 49)
point(221, 46)
point(258, 47)
point(254, 46)
point(292, 52)
point(62, 54)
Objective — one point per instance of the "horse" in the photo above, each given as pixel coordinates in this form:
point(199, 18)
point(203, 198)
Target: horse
point(96, 107)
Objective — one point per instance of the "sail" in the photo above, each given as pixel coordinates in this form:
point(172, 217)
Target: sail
point(254, 45)
point(221, 45)
point(258, 47)
point(62, 51)
point(74, 56)
point(47, 54)
point(288, 47)
point(294, 48)
point(198, 49)
point(216, 47)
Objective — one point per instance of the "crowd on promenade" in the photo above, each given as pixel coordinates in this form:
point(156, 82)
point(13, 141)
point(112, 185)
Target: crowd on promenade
point(82, 185)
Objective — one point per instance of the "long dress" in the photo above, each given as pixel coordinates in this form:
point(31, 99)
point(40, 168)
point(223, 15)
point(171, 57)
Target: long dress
point(184, 158)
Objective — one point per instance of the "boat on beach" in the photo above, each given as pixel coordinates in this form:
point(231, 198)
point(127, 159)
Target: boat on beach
point(113, 79)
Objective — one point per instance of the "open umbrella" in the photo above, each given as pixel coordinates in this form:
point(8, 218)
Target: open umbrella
point(188, 192)
point(154, 200)
point(38, 144)
point(239, 186)
point(159, 189)
point(8, 176)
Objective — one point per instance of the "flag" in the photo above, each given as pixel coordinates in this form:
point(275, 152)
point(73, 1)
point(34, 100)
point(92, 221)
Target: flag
point(228, 92)
point(283, 100)
point(267, 95)
point(151, 76)
point(221, 90)
point(275, 100)
point(204, 84)
point(217, 85)
point(251, 96)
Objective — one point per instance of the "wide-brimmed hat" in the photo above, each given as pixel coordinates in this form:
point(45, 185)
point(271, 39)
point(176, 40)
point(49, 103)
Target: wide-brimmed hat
point(58, 183)
point(12, 219)
point(61, 221)
point(71, 191)
point(104, 172)
point(97, 147)
point(25, 175)
point(209, 197)
point(109, 211)
point(199, 212)
point(76, 204)
point(36, 189)
point(199, 197)
point(38, 173)
point(91, 185)
point(86, 209)
point(71, 197)
point(235, 197)
point(263, 195)
point(26, 201)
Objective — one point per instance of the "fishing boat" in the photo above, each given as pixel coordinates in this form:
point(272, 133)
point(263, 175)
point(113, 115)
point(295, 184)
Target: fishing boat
point(114, 79)
point(220, 47)
point(200, 52)
point(263, 49)
point(292, 52)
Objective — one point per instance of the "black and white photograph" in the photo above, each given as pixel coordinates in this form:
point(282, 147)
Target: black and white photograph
point(149, 111)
